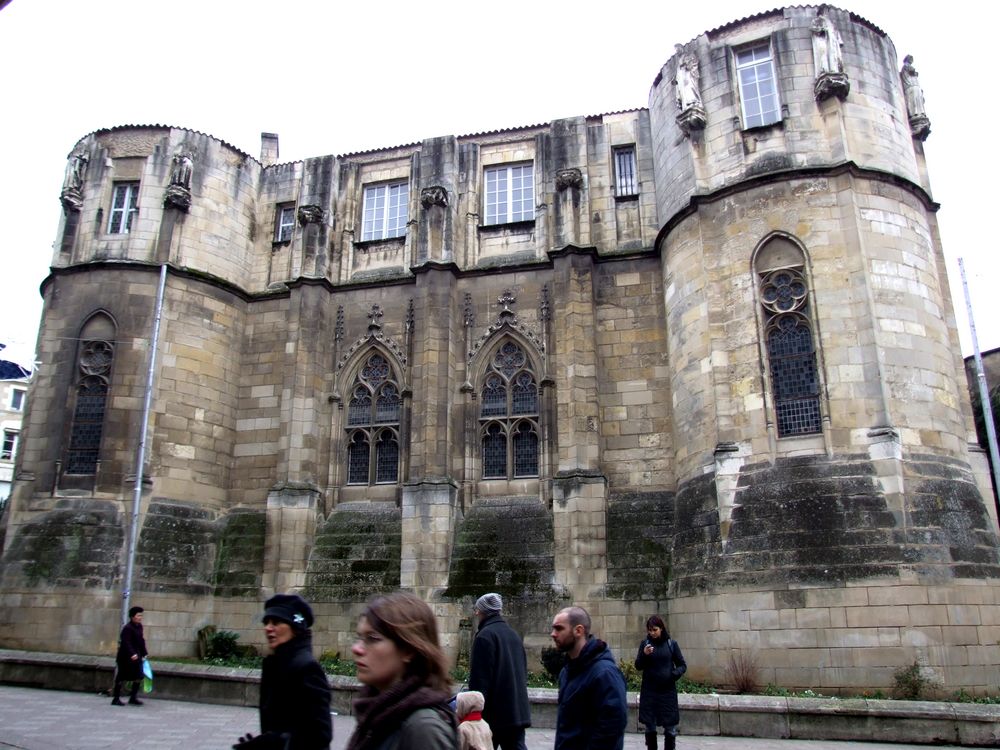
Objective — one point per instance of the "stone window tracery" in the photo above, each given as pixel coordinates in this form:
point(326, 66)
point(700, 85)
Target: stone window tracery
point(508, 415)
point(373, 415)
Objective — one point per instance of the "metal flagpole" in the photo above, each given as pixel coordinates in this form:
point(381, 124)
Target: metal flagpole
point(141, 457)
point(984, 391)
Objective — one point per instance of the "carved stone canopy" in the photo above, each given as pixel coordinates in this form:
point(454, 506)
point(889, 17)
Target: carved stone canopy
point(832, 84)
point(310, 214)
point(569, 178)
point(434, 196)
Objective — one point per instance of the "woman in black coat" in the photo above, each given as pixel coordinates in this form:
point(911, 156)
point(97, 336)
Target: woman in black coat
point(131, 652)
point(662, 664)
point(294, 691)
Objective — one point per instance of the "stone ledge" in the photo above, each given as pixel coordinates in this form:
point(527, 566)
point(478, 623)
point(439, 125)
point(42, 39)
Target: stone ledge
point(861, 720)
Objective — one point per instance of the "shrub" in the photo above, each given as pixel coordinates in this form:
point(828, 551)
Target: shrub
point(743, 671)
point(553, 660)
point(333, 664)
point(222, 645)
point(910, 683)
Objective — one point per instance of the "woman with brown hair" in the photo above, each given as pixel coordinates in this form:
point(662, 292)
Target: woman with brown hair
point(404, 704)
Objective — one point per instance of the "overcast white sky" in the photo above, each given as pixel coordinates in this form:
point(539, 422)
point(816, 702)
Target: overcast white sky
point(343, 77)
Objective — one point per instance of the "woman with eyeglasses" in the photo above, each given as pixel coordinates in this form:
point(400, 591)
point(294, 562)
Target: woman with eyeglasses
point(404, 702)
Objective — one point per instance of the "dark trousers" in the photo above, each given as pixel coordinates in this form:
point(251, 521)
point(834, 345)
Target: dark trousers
point(511, 738)
point(118, 688)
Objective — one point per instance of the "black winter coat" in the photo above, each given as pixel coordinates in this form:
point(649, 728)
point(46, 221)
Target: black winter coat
point(660, 672)
point(295, 696)
point(593, 712)
point(499, 670)
point(130, 643)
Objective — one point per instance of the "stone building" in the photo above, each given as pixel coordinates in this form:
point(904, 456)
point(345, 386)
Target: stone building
point(697, 358)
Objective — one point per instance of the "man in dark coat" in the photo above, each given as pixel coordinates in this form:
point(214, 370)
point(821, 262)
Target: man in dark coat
point(593, 711)
point(294, 691)
point(499, 670)
point(128, 660)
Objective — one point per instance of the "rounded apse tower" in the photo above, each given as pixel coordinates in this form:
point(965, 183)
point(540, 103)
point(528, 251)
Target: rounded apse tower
point(830, 516)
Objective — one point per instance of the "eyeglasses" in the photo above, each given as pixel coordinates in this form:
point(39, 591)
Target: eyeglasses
point(370, 639)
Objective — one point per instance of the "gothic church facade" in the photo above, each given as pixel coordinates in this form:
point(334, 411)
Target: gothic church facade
point(698, 358)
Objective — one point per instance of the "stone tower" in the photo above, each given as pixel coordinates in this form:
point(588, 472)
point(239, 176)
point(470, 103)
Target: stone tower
point(697, 358)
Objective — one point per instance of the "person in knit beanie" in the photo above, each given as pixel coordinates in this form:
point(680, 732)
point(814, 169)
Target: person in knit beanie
point(473, 732)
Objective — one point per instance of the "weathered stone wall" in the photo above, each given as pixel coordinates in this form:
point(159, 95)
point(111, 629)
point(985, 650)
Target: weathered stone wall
point(662, 485)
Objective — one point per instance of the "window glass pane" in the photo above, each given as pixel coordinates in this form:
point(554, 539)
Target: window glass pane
point(357, 459)
point(525, 451)
point(625, 179)
point(17, 400)
point(524, 395)
point(386, 458)
point(359, 411)
point(387, 405)
point(494, 397)
point(494, 453)
point(88, 421)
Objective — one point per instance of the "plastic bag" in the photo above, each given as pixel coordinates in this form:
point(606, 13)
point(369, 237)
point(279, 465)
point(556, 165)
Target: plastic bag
point(147, 672)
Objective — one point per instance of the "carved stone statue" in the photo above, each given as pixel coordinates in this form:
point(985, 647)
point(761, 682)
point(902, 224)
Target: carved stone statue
point(178, 193)
point(686, 81)
point(180, 173)
point(569, 178)
point(72, 190)
point(831, 80)
point(687, 94)
point(310, 213)
point(920, 125)
point(434, 196)
point(827, 56)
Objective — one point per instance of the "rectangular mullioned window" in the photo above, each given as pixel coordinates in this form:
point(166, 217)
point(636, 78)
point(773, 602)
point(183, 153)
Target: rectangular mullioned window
point(385, 212)
point(124, 207)
point(284, 222)
point(510, 193)
point(9, 449)
point(758, 86)
point(626, 182)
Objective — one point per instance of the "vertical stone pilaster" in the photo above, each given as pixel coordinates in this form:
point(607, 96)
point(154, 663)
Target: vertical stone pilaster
point(291, 527)
point(575, 363)
point(579, 517)
point(429, 511)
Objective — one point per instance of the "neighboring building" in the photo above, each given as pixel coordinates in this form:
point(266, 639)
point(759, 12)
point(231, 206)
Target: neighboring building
point(698, 358)
point(13, 400)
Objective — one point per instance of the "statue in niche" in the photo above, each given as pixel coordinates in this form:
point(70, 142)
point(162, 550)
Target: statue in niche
point(920, 125)
point(831, 80)
point(687, 95)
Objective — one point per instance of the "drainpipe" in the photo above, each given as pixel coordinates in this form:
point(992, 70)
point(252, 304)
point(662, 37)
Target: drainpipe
point(141, 457)
point(984, 391)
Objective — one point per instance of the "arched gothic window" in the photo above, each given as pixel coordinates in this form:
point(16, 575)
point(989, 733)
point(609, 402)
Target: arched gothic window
point(94, 359)
point(789, 340)
point(373, 424)
point(508, 415)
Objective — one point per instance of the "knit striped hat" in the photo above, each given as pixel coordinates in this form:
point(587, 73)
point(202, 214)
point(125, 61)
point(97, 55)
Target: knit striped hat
point(489, 603)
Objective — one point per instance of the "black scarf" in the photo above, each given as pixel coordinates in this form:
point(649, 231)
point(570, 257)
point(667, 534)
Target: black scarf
point(381, 714)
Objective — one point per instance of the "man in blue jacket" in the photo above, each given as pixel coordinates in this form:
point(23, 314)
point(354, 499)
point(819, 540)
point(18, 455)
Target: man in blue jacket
point(593, 712)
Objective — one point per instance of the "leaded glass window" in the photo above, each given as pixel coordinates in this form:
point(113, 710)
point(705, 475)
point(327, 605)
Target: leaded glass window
point(373, 415)
point(94, 366)
point(508, 415)
point(791, 352)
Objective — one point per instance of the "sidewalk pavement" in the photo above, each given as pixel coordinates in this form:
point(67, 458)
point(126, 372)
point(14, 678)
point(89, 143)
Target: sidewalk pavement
point(35, 719)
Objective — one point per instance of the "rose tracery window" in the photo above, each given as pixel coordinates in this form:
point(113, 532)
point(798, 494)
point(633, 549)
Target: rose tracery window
point(508, 416)
point(791, 352)
point(373, 415)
